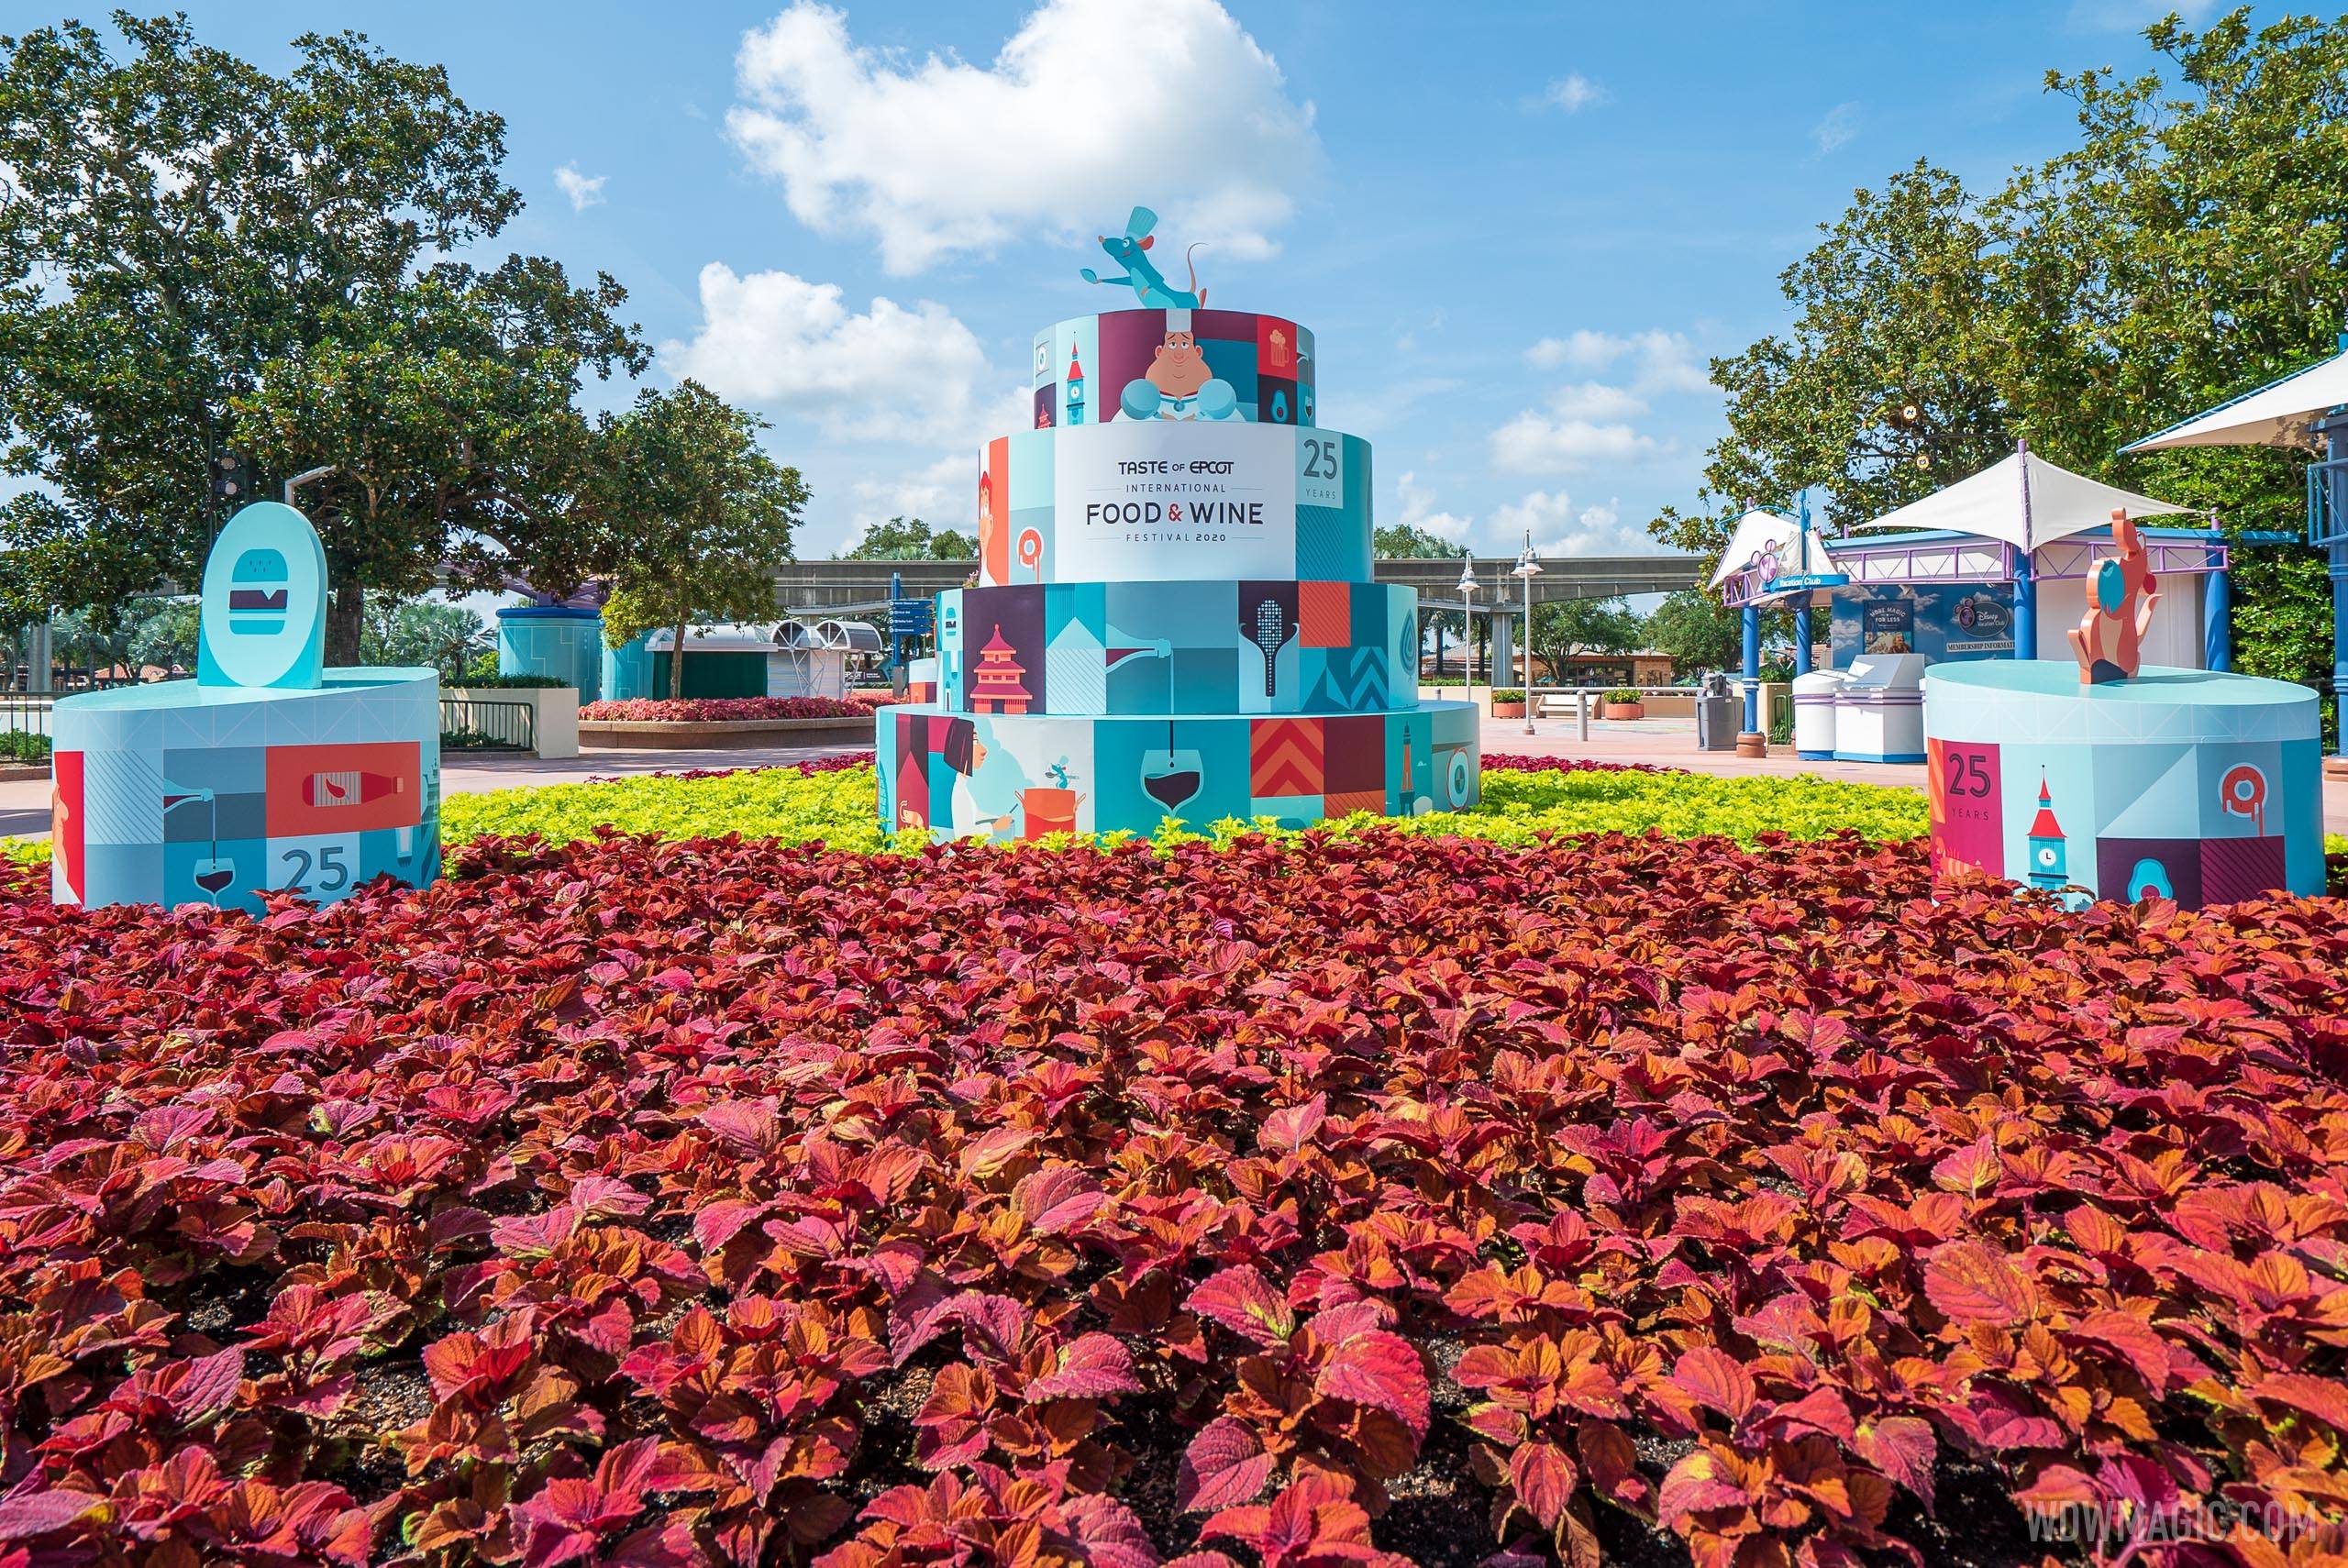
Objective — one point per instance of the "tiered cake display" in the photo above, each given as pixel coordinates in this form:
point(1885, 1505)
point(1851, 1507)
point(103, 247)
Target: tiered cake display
point(1174, 614)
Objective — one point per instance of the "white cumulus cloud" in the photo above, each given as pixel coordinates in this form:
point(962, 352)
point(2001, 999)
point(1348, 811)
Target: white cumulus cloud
point(584, 192)
point(1542, 441)
point(1574, 92)
point(943, 493)
point(1089, 105)
point(1660, 361)
point(1840, 125)
point(1596, 400)
point(1418, 511)
point(1558, 530)
point(781, 343)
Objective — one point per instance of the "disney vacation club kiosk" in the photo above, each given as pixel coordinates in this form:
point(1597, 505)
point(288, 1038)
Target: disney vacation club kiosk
point(1955, 576)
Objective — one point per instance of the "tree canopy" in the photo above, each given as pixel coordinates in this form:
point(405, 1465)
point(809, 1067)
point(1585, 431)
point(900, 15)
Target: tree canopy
point(194, 252)
point(1563, 628)
point(1406, 541)
point(910, 539)
point(2192, 244)
point(1696, 631)
point(697, 516)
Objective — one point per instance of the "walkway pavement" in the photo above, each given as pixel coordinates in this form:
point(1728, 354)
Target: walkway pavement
point(1666, 742)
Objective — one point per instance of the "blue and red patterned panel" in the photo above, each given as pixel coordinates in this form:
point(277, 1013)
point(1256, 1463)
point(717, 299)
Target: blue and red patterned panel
point(216, 802)
point(1257, 647)
point(1008, 776)
point(1174, 365)
point(2189, 785)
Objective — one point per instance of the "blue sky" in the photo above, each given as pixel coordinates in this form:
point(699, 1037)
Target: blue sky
point(1518, 230)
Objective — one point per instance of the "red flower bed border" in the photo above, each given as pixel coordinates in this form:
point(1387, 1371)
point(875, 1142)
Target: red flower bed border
point(722, 710)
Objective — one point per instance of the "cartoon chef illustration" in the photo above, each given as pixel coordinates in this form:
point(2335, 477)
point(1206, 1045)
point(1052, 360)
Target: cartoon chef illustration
point(1177, 385)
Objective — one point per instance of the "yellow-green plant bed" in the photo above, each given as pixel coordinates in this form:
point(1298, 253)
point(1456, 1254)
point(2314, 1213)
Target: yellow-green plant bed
point(1518, 806)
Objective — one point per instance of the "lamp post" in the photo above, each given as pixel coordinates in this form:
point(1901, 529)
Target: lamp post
point(1524, 571)
point(1468, 589)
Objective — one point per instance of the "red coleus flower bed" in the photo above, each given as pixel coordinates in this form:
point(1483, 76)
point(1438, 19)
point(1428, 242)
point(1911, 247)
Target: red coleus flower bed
point(711, 710)
point(1399, 1199)
point(806, 768)
point(1512, 762)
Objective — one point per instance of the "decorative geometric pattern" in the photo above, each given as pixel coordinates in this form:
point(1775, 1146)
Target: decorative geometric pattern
point(1285, 757)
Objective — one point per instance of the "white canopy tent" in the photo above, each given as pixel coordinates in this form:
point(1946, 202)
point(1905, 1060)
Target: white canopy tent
point(1761, 536)
point(2280, 413)
point(2023, 500)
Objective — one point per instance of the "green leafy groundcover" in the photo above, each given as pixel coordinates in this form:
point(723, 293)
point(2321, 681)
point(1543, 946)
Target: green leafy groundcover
point(1518, 807)
point(1523, 798)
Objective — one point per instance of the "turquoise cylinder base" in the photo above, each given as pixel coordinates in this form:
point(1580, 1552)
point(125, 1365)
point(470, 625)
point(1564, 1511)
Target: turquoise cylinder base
point(1021, 776)
point(555, 641)
point(2188, 784)
point(179, 792)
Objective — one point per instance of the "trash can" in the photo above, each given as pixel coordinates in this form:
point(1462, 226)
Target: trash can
point(1880, 712)
point(1719, 714)
point(1814, 697)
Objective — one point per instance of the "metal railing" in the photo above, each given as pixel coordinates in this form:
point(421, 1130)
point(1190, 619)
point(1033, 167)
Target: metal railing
point(1584, 698)
point(2328, 503)
point(481, 724)
point(28, 715)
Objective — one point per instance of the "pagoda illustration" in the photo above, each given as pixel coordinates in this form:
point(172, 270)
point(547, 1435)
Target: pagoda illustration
point(997, 682)
point(1174, 623)
point(2049, 852)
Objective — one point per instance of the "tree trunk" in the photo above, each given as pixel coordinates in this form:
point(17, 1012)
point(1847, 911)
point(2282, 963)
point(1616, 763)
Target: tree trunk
point(677, 663)
point(343, 620)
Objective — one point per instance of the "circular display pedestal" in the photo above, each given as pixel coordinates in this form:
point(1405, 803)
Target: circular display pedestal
point(2187, 784)
point(1020, 775)
point(555, 640)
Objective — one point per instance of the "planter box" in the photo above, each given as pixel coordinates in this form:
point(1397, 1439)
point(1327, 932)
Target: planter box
point(554, 719)
point(1623, 711)
point(1508, 710)
point(721, 734)
point(17, 772)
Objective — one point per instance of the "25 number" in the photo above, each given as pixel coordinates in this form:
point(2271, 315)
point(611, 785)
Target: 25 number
point(333, 872)
point(1321, 459)
point(1967, 776)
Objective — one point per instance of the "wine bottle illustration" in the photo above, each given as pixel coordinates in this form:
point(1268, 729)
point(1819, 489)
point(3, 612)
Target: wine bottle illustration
point(1273, 627)
point(347, 787)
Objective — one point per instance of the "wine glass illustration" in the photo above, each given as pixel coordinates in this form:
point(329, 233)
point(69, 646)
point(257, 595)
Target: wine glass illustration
point(1171, 774)
point(213, 873)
